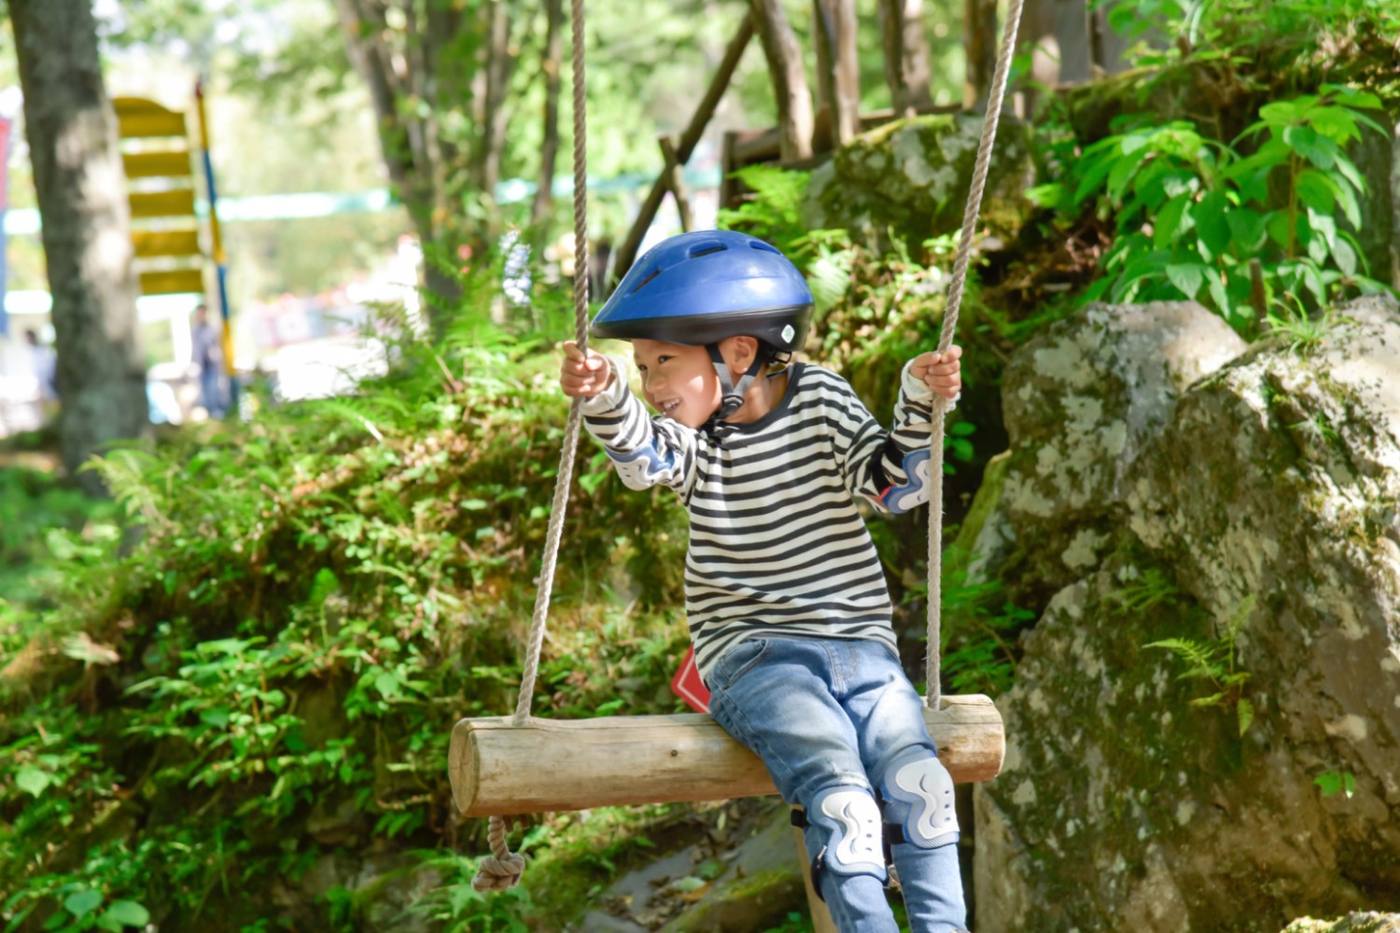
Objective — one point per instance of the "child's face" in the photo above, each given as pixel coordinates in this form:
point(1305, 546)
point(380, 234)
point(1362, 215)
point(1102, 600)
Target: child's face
point(679, 381)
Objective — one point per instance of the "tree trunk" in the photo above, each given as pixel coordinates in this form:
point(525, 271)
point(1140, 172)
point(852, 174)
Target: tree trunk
point(500, 62)
point(838, 70)
point(789, 81)
point(550, 66)
point(397, 65)
point(906, 54)
point(980, 43)
point(72, 135)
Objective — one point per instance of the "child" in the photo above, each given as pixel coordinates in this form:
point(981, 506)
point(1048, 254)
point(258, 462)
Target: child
point(785, 596)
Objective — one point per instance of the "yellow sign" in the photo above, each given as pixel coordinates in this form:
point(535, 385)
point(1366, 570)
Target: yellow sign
point(165, 230)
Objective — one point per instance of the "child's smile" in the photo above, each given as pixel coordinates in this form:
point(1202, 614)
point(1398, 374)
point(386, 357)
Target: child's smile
point(678, 380)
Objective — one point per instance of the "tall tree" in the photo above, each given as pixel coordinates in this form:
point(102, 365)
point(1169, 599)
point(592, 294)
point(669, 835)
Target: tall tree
point(416, 57)
point(784, 56)
point(498, 63)
point(551, 63)
point(81, 188)
point(906, 54)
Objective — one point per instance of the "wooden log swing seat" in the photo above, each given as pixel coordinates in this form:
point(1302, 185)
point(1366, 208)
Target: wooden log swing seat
point(501, 766)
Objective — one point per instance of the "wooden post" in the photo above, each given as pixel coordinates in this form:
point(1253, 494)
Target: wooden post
point(838, 70)
point(821, 917)
point(789, 81)
point(675, 182)
point(544, 765)
point(906, 55)
point(627, 252)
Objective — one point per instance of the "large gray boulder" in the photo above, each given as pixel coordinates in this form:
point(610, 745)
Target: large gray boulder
point(1080, 401)
point(1255, 514)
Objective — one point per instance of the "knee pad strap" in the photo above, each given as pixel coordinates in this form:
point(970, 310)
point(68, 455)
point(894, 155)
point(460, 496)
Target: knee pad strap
point(918, 794)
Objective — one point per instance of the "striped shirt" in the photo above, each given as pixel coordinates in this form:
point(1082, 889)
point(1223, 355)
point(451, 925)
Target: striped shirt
point(777, 543)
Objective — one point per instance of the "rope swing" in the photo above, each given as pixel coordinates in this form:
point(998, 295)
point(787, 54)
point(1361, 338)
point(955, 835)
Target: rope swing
point(970, 725)
point(502, 868)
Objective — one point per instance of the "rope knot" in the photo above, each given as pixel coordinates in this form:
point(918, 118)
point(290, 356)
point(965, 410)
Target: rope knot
point(494, 874)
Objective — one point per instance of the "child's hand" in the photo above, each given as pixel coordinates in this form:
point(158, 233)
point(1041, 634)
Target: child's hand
point(941, 372)
point(583, 376)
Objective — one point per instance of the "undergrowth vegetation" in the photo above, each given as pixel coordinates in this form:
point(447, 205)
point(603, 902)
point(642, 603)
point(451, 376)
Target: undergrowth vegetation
point(270, 666)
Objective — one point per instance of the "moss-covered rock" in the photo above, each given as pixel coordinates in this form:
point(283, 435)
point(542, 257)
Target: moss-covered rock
point(910, 178)
point(1256, 523)
point(1080, 401)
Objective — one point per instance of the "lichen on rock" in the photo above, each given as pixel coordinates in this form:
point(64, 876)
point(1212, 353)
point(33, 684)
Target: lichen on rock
point(1262, 489)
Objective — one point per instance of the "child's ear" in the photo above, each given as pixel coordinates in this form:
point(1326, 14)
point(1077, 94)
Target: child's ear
point(739, 351)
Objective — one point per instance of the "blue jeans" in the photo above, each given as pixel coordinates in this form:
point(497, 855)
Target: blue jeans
point(828, 712)
point(211, 391)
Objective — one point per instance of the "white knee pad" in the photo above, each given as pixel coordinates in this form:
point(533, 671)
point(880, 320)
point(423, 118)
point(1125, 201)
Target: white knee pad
point(850, 820)
point(919, 799)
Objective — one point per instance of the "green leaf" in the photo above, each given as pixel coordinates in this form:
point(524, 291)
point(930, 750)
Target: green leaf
point(1316, 190)
point(1244, 714)
point(1209, 214)
point(1351, 210)
point(1095, 170)
point(1333, 782)
point(1322, 233)
point(1317, 149)
point(82, 902)
point(1168, 224)
point(1053, 195)
point(388, 685)
point(1219, 296)
point(128, 913)
point(1280, 112)
point(1247, 229)
point(1352, 97)
point(1335, 123)
point(1344, 256)
point(33, 780)
point(1279, 228)
point(1186, 277)
point(322, 586)
point(218, 717)
point(1122, 172)
point(473, 505)
point(1313, 281)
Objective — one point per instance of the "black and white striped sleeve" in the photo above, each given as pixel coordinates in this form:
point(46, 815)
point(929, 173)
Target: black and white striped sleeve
point(891, 469)
point(645, 451)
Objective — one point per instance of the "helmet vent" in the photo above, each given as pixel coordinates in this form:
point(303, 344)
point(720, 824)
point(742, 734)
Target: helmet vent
point(759, 244)
point(649, 276)
point(705, 248)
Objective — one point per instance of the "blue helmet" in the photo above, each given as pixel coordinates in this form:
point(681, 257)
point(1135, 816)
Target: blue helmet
point(698, 288)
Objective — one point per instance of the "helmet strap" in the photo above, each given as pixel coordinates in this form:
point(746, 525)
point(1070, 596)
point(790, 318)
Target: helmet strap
point(732, 393)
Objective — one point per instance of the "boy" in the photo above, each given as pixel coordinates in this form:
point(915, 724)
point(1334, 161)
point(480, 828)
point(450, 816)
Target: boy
point(785, 596)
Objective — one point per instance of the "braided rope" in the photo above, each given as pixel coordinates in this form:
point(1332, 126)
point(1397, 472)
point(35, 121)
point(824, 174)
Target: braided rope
point(933, 672)
point(503, 868)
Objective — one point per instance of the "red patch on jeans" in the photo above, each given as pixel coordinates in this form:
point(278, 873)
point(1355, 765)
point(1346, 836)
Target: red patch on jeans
point(687, 684)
